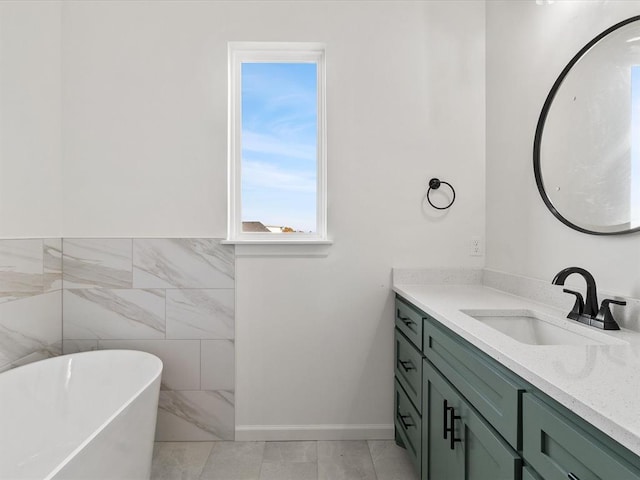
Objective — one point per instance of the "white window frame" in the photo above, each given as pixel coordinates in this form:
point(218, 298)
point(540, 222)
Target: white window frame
point(273, 52)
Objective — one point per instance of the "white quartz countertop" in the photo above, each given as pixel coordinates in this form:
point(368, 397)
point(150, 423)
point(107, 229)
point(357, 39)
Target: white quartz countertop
point(600, 383)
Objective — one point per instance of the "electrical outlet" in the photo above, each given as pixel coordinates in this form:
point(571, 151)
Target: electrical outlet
point(475, 247)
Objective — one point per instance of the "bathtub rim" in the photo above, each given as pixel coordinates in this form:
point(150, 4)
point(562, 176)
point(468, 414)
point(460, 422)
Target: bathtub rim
point(156, 376)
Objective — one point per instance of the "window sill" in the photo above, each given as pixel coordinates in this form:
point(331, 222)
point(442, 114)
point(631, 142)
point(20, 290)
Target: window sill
point(277, 242)
point(280, 248)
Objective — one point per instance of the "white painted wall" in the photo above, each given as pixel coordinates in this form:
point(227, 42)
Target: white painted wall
point(30, 142)
point(406, 102)
point(527, 47)
point(144, 128)
point(144, 121)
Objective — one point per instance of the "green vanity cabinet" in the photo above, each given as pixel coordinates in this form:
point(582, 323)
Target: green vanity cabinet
point(458, 442)
point(494, 425)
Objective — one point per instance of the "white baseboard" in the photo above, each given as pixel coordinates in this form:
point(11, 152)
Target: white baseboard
point(313, 432)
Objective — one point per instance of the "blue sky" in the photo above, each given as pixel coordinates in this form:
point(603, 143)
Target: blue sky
point(279, 140)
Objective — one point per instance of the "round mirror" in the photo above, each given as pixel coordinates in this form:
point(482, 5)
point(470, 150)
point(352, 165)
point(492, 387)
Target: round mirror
point(586, 154)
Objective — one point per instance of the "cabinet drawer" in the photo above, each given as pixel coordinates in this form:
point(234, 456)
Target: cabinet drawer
point(409, 369)
point(485, 384)
point(409, 321)
point(557, 447)
point(408, 425)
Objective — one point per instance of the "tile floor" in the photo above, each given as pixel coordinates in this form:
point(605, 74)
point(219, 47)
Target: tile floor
point(335, 460)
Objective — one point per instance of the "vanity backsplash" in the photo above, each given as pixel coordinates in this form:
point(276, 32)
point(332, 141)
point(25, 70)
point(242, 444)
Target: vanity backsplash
point(536, 290)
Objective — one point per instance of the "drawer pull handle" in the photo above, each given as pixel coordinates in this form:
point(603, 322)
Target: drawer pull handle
point(405, 424)
point(571, 476)
point(406, 320)
point(404, 364)
point(451, 428)
point(445, 410)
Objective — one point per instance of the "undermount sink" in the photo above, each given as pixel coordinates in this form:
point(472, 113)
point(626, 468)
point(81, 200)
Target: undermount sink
point(533, 328)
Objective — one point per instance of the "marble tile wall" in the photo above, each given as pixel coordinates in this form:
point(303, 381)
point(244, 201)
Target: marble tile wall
point(174, 298)
point(30, 300)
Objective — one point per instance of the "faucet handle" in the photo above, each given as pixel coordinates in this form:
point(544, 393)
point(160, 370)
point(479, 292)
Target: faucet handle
point(578, 307)
point(607, 301)
point(605, 319)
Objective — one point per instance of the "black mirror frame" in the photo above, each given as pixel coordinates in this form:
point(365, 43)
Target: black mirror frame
point(540, 128)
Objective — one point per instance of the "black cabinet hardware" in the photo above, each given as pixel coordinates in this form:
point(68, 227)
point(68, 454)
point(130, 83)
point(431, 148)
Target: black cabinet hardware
point(451, 428)
point(406, 320)
point(407, 365)
point(405, 424)
point(445, 412)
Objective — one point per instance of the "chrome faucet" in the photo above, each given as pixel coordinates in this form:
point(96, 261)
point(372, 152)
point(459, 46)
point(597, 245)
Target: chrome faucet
point(587, 311)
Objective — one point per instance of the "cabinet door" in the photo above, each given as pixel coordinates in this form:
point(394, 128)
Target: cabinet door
point(487, 455)
point(529, 474)
point(559, 449)
point(476, 451)
point(443, 463)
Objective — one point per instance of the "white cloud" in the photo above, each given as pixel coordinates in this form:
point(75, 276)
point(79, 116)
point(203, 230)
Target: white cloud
point(269, 144)
point(261, 175)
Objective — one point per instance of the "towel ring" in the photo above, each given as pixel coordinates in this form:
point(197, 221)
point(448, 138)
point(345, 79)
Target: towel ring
point(434, 184)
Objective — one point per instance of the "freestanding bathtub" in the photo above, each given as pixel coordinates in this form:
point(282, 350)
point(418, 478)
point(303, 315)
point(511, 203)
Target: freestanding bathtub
point(83, 416)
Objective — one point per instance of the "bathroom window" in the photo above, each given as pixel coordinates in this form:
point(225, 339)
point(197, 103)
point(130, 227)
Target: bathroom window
point(277, 143)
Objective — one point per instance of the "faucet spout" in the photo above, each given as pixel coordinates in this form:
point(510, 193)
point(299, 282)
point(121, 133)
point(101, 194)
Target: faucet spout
point(591, 302)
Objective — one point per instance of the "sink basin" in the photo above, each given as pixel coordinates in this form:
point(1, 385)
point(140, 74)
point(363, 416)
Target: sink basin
point(533, 328)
